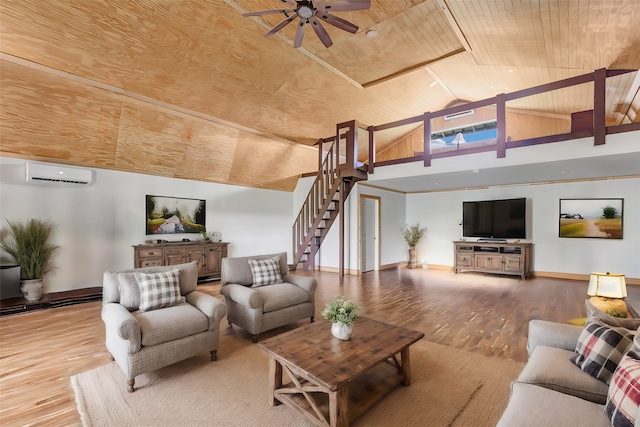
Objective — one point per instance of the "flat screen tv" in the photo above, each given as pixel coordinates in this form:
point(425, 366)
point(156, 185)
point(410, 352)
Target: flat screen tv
point(175, 215)
point(495, 219)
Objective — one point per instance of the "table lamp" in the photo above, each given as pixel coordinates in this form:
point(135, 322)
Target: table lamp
point(606, 291)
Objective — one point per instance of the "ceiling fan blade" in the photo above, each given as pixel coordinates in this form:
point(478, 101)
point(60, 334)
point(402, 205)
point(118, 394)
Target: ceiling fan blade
point(336, 21)
point(344, 5)
point(268, 12)
point(281, 25)
point(297, 42)
point(320, 31)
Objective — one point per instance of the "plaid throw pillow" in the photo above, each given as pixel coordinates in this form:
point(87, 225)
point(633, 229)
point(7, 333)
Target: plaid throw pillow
point(623, 398)
point(158, 290)
point(601, 347)
point(265, 271)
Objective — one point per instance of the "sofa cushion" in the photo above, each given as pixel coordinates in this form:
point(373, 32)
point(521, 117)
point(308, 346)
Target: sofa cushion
point(600, 348)
point(629, 323)
point(531, 406)
point(170, 324)
point(623, 399)
point(282, 295)
point(158, 290)
point(265, 271)
point(551, 368)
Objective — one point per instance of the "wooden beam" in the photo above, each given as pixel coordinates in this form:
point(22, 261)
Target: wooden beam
point(501, 118)
point(599, 106)
point(372, 149)
point(427, 139)
point(412, 68)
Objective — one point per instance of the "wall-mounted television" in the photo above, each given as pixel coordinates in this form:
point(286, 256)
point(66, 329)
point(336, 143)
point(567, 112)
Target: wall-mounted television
point(495, 219)
point(175, 215)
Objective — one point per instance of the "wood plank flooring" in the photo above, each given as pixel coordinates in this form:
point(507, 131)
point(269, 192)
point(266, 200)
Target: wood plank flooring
point(484, 314)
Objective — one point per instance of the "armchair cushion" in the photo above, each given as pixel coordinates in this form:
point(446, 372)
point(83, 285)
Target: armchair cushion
point(129, 290)
point(601, 347)
point(170, 324)
point(265, 271)
point(282, 295)
point(159, 290)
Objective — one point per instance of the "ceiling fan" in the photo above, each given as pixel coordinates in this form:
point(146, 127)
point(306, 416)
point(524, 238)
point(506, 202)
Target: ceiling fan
point(309, 11)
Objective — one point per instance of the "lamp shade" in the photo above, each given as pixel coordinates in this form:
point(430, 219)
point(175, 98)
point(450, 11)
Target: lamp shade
point(607, 285)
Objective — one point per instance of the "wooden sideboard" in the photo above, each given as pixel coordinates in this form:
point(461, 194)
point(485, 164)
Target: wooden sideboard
point(208, 255)
point(490, 257)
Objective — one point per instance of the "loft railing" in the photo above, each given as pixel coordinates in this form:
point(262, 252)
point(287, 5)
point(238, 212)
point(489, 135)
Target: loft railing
point(590, 123)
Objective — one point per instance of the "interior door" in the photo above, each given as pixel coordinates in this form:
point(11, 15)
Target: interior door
point(369, 231)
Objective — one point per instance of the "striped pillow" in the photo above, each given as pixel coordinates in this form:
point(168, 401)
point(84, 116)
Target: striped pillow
point(623, 398)
point(265, 271)
point(600, 348)
point(158, 290)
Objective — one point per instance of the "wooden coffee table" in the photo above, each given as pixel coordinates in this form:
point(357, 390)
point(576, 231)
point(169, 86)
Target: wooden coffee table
point(332, 382)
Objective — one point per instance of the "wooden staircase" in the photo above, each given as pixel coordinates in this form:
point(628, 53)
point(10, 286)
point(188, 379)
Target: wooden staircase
point(330, 189)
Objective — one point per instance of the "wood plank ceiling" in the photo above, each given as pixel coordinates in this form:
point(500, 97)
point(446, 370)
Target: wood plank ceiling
point(191, 89)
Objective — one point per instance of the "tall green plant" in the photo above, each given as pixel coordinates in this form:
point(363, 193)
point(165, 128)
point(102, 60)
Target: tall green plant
point(29, 245)
point(412, 234)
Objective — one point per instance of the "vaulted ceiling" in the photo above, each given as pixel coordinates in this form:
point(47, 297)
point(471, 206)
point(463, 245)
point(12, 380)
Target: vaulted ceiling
point(191, 89)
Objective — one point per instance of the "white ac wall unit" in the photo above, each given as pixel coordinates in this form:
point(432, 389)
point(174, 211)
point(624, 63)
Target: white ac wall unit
point(53, 174)
point(458, 115)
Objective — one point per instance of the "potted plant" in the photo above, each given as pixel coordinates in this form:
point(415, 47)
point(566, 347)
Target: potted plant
point(29, 244)
point(342, 313)
point(412, 235)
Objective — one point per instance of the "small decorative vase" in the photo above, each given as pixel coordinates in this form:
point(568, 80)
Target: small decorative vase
point(412, 257)
point(31, 289)
point(341, 331)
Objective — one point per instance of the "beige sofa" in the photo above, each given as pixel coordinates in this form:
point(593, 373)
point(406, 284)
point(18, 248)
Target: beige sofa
point(145, 341)
point(551, 390)
point(259, 309)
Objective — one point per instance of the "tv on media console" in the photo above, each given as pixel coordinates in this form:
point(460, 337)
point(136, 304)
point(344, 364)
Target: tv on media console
point(175, 215)
point(495, 219)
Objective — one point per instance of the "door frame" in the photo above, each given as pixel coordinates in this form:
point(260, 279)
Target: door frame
point(377, 230)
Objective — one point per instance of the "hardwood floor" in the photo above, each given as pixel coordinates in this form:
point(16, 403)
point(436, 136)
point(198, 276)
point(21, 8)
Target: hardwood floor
point(485, 314)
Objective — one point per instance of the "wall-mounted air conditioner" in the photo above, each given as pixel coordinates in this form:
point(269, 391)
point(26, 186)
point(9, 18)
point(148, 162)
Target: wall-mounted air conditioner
point(458, 115)
point(54, 174)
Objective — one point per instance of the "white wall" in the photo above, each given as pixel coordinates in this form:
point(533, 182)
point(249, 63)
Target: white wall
point(98, 225)
point(441, 214)
point(392, 219)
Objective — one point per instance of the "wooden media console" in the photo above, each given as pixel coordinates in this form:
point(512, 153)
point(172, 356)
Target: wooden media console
point(493, 257)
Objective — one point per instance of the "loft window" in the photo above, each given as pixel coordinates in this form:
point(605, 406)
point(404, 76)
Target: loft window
point(470, 133)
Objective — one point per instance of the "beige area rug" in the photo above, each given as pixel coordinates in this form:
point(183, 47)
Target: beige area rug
point(449, 387)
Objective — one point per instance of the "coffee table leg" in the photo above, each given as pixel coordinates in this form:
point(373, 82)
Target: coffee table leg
point(406, 366)
point(339, 407)
point(275, 380)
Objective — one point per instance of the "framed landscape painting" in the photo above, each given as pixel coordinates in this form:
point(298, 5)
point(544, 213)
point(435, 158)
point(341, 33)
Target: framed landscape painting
point(175, 215)
point(591, 218)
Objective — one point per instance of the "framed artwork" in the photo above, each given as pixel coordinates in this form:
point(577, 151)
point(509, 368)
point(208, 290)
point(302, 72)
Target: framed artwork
point(591, 218)
point(174, 215)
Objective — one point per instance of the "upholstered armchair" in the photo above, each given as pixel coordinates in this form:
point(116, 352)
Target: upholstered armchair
point(261, 295)
point(155, 317)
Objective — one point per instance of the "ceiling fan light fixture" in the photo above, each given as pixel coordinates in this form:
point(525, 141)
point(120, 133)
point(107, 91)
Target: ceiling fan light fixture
point(305, 12)
point(371, 33)
point(308, 13)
